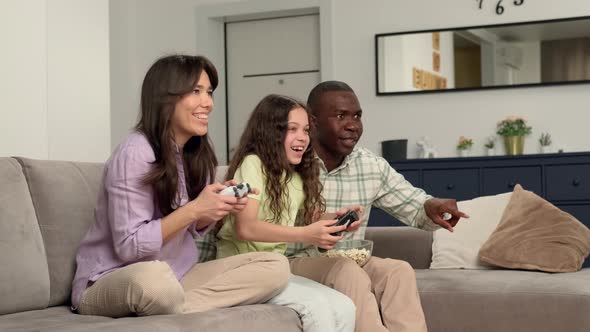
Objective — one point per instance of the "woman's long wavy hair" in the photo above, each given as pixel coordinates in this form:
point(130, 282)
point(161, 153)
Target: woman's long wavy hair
point(168, 80)
point(264, 136)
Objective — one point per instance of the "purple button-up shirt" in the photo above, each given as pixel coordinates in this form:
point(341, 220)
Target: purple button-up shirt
point(127, 227)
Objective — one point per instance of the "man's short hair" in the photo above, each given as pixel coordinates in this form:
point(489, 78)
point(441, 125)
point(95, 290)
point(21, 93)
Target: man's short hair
point(320, 89)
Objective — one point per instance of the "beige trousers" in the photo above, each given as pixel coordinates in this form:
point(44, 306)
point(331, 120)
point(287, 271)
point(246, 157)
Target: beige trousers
point(383, 285)
point(151, 288)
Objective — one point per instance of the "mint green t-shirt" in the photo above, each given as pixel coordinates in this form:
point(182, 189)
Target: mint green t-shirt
point(250, 171)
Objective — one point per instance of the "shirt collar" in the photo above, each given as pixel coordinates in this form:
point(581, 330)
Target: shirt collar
point(343, 165)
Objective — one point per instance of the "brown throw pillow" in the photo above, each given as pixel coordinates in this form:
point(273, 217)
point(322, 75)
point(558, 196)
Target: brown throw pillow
point(534, 234)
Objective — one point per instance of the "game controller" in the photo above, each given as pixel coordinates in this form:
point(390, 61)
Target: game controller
point(344, 220)
point(238, 191)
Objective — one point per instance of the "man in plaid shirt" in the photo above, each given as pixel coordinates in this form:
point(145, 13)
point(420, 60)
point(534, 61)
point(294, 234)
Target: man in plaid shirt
point(356, 176)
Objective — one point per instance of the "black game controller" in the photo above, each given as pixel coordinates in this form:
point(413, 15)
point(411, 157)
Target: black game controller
point(346, 219)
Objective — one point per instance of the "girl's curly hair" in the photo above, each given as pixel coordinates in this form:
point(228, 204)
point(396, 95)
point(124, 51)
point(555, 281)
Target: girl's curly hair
point(264, 137)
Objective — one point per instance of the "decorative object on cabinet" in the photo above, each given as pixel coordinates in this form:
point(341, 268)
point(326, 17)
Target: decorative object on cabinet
point(464, 146)
point(393, 150)
point(425, 148)
point(545, 142)
point(513, 129)
point(561, 178)
point(490, 144)
point(514, 145)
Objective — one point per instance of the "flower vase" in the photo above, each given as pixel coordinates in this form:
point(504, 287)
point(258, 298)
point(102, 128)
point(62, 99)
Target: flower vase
point(463, 152)
point(545, 148)
point(490, 152)
point(514, 145)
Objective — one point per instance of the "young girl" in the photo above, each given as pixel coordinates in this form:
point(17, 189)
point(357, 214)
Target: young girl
point(275, 156)
point(139, 257)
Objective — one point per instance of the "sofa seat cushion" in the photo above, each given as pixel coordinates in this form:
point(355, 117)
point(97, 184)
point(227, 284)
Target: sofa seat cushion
point(505, 300)
point(252, 318)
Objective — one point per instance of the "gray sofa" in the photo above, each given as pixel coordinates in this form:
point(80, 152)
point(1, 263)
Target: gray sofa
point(46, 207)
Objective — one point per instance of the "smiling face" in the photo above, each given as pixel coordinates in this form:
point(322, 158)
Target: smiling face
point(191, 112)
point(297, 137)
point(338, 126)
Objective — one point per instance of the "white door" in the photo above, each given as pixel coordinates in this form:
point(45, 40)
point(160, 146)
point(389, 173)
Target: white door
point(279, 55)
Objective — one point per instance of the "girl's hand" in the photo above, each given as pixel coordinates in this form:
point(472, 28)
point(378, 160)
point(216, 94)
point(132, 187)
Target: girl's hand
point(359, 211)
point(319, 233)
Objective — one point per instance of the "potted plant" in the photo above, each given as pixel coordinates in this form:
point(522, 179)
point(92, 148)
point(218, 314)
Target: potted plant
point(490, 145)
point(464, 145)
point(545, 142)
point(513, 129)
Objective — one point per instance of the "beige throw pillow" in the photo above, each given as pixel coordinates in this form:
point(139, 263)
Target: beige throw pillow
point(458, 250)
point(536, 235)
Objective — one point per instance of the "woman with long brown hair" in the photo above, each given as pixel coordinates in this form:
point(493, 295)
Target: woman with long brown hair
point(157, 195)
point(275, 156)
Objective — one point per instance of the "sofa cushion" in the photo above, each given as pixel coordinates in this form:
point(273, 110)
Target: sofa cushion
point(406, 243)
point(24, 279)
point(536, 235)
point(64, 195)
point(459, 249)
point(251, 318)
point(504, 300)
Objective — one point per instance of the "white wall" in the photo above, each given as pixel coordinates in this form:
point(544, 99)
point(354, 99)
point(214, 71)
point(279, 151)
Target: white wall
point(54, 79)
point(23, 79)
point(78, 103)
point(141, 32)
point(446, 116)
point(56, 100)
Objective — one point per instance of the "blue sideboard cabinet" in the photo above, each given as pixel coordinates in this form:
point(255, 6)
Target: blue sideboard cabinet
point(561, 178)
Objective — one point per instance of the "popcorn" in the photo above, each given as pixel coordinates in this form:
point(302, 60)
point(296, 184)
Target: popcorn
point(360, 256)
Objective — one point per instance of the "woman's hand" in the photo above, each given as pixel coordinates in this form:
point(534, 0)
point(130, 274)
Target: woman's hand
point(241, 203)
point(209, 206)
point(319, 233)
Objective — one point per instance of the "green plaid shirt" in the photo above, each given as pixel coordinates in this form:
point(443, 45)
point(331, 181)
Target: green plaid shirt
point(363, 179)
point(368, 180)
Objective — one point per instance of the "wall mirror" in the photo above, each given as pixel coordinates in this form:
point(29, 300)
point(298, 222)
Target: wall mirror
point(493, 56)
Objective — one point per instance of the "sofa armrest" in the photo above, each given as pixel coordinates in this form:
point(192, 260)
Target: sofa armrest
point(405, 243)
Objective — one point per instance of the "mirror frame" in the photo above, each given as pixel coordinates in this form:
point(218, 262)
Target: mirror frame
point(502, 86)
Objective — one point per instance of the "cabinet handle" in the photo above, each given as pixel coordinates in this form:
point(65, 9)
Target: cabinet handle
point(450, 186)
point(576, 182)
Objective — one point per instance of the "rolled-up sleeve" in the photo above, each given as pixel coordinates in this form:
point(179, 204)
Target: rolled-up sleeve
point(402, 200)
point(131, 207)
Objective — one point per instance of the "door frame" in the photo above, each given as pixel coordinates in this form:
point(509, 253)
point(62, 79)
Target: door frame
point(210, 21)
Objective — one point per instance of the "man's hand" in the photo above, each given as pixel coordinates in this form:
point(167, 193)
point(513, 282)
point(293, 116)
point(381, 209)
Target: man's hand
point(437, 207)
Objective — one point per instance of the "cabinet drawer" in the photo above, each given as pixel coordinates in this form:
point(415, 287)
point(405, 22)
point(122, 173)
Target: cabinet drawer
point(503, 179)
point(460, 184)
point(379, 217)
point(413, 177)
point(568, 182)
point(582, 213)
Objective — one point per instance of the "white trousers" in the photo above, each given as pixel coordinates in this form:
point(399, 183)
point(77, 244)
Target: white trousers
point(320, 308)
